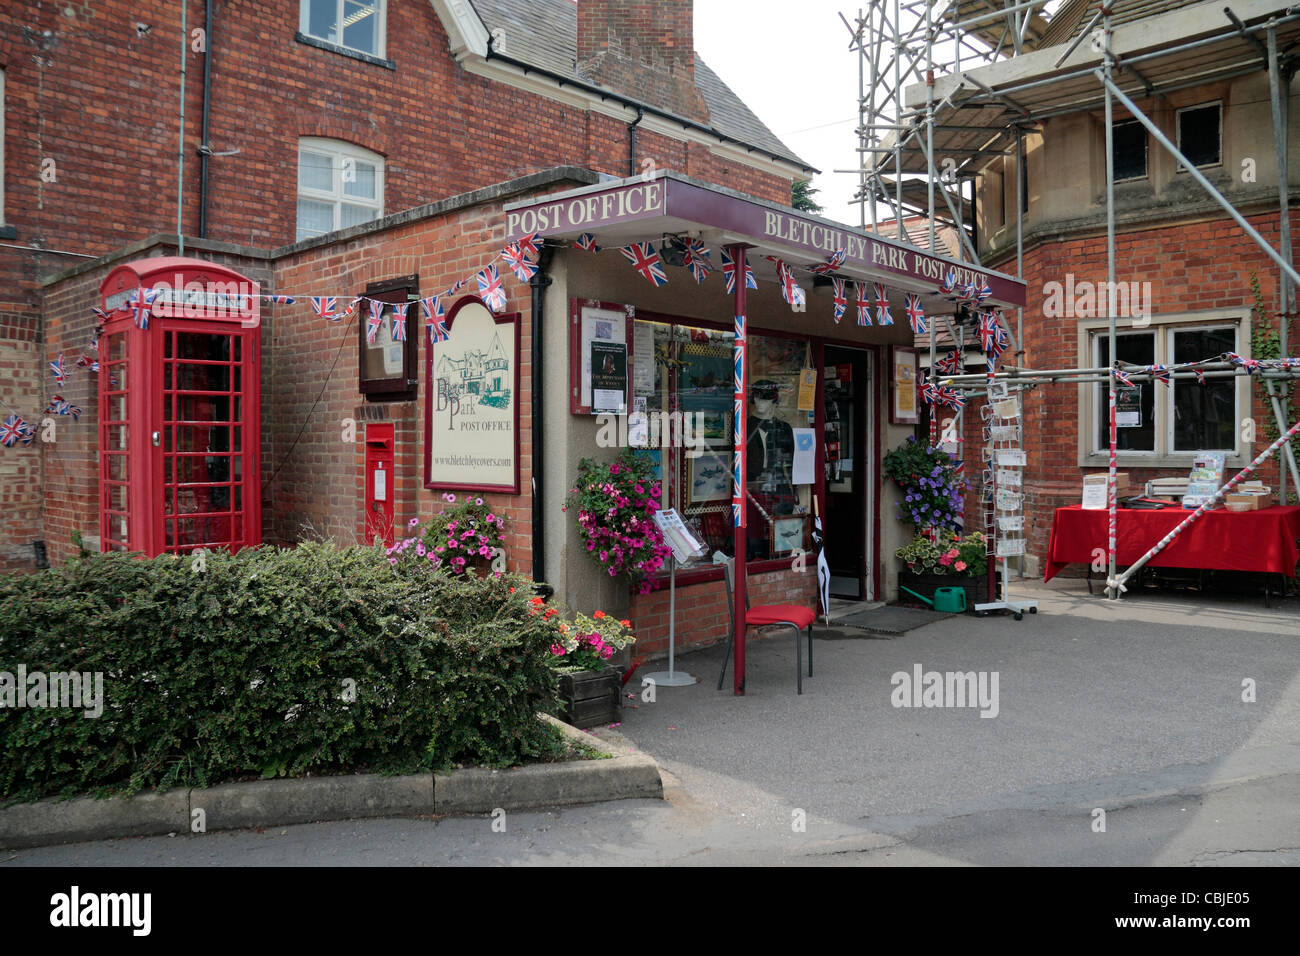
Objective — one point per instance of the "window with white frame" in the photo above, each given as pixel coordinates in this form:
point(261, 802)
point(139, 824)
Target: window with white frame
point(354, 24)
point(1200, 134)
point(339, 185)
point(1156, 420)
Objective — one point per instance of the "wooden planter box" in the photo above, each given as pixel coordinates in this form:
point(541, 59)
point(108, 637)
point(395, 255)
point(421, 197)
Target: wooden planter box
point(977, 589)
point(592, 698)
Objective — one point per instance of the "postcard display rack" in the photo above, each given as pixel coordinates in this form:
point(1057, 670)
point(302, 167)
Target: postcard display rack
point(1003, 492)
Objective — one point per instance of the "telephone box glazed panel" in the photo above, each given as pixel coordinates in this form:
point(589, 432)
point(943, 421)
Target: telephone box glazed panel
point(179, 408)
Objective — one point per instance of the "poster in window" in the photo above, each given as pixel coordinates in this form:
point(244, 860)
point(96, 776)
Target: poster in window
point(903, 408)
point(608, 377)
point(472, 413)
point(604, 323)
point(1128, 406)
point(710, 479)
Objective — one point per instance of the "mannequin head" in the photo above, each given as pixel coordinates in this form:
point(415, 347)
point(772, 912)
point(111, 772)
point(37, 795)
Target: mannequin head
point(763, 396)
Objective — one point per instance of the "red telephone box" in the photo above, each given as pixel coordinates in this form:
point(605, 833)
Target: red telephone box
point(179, 408)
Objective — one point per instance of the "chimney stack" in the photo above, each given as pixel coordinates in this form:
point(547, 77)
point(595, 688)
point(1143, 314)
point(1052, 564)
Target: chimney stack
point(642, 49)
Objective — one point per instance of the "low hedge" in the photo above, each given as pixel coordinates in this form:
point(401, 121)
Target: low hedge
point(245, 668)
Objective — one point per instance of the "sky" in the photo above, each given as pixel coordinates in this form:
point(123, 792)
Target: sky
point(791, 64)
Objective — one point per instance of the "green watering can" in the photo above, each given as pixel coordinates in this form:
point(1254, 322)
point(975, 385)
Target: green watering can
point(948, 600)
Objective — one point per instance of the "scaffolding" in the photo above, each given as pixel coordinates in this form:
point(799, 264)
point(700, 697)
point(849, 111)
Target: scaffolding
point(936, 44)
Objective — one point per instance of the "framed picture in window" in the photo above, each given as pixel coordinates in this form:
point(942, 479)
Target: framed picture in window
point(387, 366)
point(708, 478)
point(788, 532)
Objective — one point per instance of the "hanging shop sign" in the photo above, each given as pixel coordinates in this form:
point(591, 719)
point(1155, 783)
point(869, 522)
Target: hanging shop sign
point(471, 422)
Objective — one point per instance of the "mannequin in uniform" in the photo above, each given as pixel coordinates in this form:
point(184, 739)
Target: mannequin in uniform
point(770, 456)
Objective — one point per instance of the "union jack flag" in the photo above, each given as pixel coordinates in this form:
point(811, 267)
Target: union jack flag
point(840, 299)
point(915, 314)
point(929, 391)
point(455, 287)
point(948, 284)
point(697, 259)
point(13, 429)
point(94, 337)
point(988, 332)
point(490, 288)
point(969, 292)
point(279, 299)
point(326, 307)
point(864, 307)
point(833, 262)
point(1122, 378)
point(587, 243)
point(1200, 376)
point(645, 260)
point(738, 350)
point(729, 273)
point(141, 305)
point(982, 292)
point(950, 365)
point(528, 244)
point(1160, 373)
point(435, 317)
point(952, 398)
point(399, 321)
point(60, 406)
point(352, 307)
point(882, 306)
point(376, 320)
point(519, 262)
point(791, 291)
point(56, 367)
point(101, 315)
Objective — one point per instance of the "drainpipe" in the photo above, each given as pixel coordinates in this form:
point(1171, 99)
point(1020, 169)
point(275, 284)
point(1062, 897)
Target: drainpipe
point(204, 149)
point(538, 284)
point(631, 141)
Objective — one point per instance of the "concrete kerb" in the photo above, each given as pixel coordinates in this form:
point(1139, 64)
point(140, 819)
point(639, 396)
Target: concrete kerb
point(623, 774)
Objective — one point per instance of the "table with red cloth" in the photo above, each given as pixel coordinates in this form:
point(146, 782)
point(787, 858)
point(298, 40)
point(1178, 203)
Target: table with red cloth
point(1220, 540)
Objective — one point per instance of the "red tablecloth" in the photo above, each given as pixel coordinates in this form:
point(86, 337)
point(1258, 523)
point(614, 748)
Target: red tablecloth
point(1219, 539)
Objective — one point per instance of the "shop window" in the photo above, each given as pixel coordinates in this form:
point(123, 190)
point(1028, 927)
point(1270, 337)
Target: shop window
point(353, 24)
point(388, 370)
point(1129, 148)
point(693, 377)
point(1199, 134)
point(339, 185)
point(1181, 419)
point(5, 231)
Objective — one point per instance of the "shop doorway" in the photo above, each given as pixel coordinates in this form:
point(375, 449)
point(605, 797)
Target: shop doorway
point(850, 499)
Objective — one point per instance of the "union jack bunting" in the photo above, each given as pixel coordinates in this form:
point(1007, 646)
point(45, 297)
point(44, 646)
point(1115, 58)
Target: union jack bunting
point(1249, 364)
point(455, 287)
point(948, 284)
point(586, 242)
point(729, 273)
point(1000, 339)
point(434, 318)
point(87, 362)
point(952, 398)
point(1200, 376)
point(915, 314)
point(279, 299)
point(929, 391)
point(1122, 378)
point(646, 261)
point(697, 259)
point(140, 306)
point(101, 315)
point(949, 365)
point(882, 306)
point(60, 406)
point(528, 244)
point(399, 321)
point(56, 367)
point(94, 337)
point(988, 332)
point(982, 292)
point(490, 288)
point(968, 291)
point(519, 262)
point(791, 291)
point(840, 299)
point(326, 307)
point(833, 262)
point(864, 307)
point(1160, 373)
point(376, 320)
point(12, 429)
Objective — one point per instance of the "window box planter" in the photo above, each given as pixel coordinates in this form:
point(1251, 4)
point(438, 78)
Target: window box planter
point(976, 588)
point(591, 698)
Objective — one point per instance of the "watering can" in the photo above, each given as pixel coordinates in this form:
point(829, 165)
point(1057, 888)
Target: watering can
point(948, 600)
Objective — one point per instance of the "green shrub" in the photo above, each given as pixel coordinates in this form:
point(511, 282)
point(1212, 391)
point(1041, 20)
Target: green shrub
point(241, 669)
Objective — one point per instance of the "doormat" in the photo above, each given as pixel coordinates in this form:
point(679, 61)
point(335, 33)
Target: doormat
point(888, 620)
